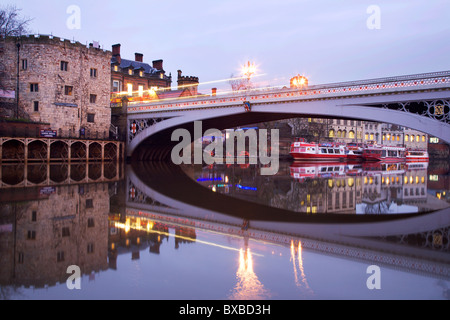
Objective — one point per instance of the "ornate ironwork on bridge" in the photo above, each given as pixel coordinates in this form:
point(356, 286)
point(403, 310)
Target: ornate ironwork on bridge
point(435, 109)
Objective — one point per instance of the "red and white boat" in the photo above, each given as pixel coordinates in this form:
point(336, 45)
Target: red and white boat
point(302, 150)
point(354, 152)
point(314, 169)
point(384, 153)
point(417, 156)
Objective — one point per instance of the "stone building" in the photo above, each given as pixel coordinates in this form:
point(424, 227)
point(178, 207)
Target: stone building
point(62, 226)
point(61, 82)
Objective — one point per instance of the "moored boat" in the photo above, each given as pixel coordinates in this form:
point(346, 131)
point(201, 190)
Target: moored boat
point(384, 153)
point(354, 152)
point(417, 155)
point(311, 151)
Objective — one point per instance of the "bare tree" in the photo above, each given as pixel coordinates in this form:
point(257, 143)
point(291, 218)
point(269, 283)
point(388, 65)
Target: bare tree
point(238, 84)
point(11, 23)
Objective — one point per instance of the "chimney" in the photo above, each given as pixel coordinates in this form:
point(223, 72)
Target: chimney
point(179, 74)
point(138, 57)
point(214, 91)
point(116, 52)
point(158, 64)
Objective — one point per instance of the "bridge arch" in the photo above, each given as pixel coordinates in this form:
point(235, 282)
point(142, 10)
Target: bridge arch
point(154, 143)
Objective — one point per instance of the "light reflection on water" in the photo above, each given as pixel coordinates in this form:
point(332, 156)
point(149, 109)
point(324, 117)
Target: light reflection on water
point(138, 242)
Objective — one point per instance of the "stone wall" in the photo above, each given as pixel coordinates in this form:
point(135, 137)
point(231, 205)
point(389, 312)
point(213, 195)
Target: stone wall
point(63, 95)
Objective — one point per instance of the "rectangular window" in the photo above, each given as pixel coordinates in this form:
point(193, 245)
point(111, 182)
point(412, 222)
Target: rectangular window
point(64, 65)
point(141, 90)
point(66, 232)
point(93, 98)
point(116, 68)
point(34, 216)
point(24, 64)
point(93, 73)
point(60, 256)
point(68, 90)
point(116, 86)
point(36, 106)
point(21, 258)
point(90, 248)
point(91, 117)
point(130, 88)
point(89, 203)
point(91, 223)
point(34, 87)
point(31, 235)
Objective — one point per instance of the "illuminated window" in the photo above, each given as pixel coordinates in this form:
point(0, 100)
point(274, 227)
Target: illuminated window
point(424, 139)
point(141, 90)
point(130, 88)
point(371, 136)
point(388, 137)
point(68, 90)
point(161, 76)
point(351, 134)
point(331, 134)
point(434, 140)
point(406, 137)
point(141, 73)
point(116, 68)
point(398, 137)
point(130, 72)
point(384, 137)
point(366, 137)
point(417, 138)
point(412, 138)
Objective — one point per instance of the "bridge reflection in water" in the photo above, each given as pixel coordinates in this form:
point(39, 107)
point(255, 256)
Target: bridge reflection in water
point(246, 246)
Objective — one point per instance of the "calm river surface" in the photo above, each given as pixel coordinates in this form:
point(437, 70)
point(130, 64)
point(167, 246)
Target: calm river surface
point(161, 232)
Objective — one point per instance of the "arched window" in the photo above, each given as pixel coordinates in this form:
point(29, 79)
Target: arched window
point(406, 137)
point(331, 133)
point(339, 133)
point(351, 134)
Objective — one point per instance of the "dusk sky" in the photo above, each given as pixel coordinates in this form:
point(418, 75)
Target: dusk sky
point(325, 40)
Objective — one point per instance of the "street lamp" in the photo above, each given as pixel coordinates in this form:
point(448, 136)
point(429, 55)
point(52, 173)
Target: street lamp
point(248, 70)
point(299, 82)
point(18, 79)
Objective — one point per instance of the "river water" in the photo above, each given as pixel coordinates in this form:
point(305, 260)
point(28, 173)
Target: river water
point(162, 232)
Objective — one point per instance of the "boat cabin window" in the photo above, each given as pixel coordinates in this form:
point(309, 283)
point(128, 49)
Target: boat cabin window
point(330, 151)
point(324, 150)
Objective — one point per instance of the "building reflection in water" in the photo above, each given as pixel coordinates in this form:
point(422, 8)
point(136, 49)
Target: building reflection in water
point(81, 216)
point(52, 224)
point(339, 188)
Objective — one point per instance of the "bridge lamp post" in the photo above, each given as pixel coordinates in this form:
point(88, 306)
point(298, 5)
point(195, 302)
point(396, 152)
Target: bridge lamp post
point(248, 70)
point(299, 82)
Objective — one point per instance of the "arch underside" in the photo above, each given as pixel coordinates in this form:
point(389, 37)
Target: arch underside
point(157, 145)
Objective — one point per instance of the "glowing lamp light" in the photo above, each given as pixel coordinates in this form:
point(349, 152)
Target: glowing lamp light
point(299, 81)
point(249, 69)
